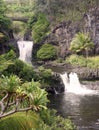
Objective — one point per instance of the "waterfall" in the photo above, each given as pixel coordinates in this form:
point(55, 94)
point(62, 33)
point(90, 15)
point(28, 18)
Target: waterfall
point(72, 84)
point(25, 50)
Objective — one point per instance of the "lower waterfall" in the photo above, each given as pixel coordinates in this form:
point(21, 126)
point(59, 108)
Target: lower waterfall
point(72, 84)
point(25, 50)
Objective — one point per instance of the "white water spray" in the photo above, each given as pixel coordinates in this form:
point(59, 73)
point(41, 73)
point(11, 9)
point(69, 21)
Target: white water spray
point(73, 85)
point(25, 50)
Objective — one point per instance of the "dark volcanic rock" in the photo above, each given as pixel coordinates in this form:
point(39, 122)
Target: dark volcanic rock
point(62, 34)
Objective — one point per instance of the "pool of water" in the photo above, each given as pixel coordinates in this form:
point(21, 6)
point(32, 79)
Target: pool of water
point(82, 110)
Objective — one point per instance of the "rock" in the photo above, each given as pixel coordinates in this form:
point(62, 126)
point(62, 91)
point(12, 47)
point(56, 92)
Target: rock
point(62, 34)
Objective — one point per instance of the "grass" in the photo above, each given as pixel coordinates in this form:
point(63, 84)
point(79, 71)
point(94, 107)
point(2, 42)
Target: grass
point(90, 62)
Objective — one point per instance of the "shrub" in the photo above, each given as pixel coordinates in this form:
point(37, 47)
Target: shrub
point(93, 62)
point(40, 28)
point(21, 69)
point(55, 122)
point(5, 61)
point(47, 52)
point(5, 24)
point(10, 55)
point(90, 62)
point(45, 77)
point(77, 60)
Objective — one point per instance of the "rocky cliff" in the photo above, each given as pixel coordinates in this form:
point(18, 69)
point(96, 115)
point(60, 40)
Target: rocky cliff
point(63, 33)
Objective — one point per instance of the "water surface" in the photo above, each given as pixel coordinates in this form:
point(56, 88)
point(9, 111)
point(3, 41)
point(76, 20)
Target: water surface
point(82, 110)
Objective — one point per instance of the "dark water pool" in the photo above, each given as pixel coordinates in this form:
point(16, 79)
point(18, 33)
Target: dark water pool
point(82, 110)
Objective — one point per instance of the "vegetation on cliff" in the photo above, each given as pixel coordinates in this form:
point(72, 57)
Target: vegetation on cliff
point(47, 52)
point(81, 61)
point(81, 44)
point(40, 28)
point(5, 23)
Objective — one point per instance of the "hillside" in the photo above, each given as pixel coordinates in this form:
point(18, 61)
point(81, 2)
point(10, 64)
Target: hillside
point(55, 22)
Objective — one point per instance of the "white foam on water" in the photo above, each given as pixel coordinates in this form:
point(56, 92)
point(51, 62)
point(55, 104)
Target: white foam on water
point(73, 85)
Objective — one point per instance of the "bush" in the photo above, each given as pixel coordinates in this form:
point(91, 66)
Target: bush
point(90, 62)
point(45, 77)
point(54, 122)
point(47, 52)
point(93, 62)
point(77, 60)
point(5, 24)
point(40, 28)
point(22, 70)
point(6, 60)
point(10, 55)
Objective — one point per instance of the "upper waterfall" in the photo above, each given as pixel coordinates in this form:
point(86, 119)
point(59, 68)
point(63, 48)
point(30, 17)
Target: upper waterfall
point(72, 84)
point(25, 50)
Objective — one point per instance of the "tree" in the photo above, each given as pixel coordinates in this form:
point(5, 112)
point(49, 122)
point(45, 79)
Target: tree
point(81, 43)
point(17, 97)
point(19, 103)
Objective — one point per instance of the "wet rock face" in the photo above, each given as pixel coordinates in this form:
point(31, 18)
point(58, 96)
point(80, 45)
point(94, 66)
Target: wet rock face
point(63, 33)
point(92, 25)
point(85, 73)
point(57, 85)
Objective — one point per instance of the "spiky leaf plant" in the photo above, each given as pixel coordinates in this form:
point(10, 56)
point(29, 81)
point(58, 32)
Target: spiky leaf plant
point(20, 121)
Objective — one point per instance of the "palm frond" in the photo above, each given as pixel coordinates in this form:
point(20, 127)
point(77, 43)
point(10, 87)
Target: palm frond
point(20, 121)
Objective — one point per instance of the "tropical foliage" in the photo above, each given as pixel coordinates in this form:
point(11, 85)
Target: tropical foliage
point(47, 52)
point(20, 103)
point(16, 97)
point(21, 69)
point(54, 122)
point(46, 77)
point(6, 60)
point(90, 62)
point(81, 43)
point(5, 23)
point(20, 121)
point(58, 11)
point(5, 26)
point(40, 28)
point(3, 7)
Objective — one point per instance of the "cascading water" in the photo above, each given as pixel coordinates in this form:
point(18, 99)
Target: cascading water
point(73, 85)
point(25, 50)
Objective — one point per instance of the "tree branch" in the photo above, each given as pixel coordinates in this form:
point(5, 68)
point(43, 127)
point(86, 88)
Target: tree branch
point(3, 107)
point(6, 96)
point(12, 103)
point(15, 111)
